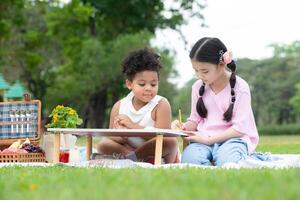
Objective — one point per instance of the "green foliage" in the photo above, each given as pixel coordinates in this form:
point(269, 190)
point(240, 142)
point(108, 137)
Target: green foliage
point(271, 89)
point(286, 129)
point(166, 88)
point(295, 100)
point(64, 117)
point(114, 17)
point(30, 54)
point(183, 101)
point(95, 65)
point(9, 13)
point(286, 50)
point(70, 53)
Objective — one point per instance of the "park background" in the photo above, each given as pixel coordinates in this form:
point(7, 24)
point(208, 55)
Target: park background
point(69, 53)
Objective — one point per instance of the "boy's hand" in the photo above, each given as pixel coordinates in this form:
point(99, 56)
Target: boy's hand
point(125, 122)
point(118, 125)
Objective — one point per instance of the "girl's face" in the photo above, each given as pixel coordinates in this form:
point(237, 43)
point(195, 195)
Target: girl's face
point(144, 85)
point(208, 72)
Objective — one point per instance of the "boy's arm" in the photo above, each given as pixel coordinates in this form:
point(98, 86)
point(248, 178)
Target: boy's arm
point(114, 112)
point(163, 115)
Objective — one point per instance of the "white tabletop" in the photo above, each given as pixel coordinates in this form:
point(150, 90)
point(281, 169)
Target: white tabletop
point(120, 132)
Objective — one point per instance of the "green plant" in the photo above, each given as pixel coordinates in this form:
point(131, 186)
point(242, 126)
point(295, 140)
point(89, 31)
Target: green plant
point(64, 117)
point(282, 129)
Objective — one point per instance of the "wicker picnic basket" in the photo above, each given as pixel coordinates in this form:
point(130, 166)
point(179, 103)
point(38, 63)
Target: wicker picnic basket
point(20, 120)
point(24, 157)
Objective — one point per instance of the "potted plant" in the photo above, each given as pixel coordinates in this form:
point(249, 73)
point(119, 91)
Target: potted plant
point(64, 117)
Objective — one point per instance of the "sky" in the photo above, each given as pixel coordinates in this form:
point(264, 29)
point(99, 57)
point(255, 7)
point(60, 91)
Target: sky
point(246, 27)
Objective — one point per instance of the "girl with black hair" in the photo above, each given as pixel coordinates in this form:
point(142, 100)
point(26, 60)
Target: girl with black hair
point(221, 112)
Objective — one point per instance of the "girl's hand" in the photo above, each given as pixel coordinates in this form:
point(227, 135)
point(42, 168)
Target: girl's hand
point(175, 125)
point(199, 138)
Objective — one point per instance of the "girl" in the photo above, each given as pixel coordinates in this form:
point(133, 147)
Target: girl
point(141, 108)
point(221, 112)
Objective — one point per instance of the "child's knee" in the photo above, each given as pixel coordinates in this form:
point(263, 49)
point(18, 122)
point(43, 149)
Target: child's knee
point(231, 152)
point(191, 158)
point(233, 156)
point(195, 154)
point(170, 143)
point(103, 145)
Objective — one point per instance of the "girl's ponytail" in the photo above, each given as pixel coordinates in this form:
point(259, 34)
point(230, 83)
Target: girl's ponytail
point(228, 114)
point(201, 109)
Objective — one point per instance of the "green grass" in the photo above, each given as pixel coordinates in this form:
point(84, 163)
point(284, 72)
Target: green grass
point(276, 144)
point(280, 144)
point(75, 183)
point(82, 183)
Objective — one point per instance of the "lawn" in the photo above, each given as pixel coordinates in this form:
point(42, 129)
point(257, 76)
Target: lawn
point(279, 144)
point(77, 183)
point(276, 144)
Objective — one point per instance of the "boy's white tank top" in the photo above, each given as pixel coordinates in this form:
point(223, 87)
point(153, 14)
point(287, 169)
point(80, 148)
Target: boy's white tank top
point(141, 116)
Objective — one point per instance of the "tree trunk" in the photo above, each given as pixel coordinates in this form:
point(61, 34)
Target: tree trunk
point(94, 111)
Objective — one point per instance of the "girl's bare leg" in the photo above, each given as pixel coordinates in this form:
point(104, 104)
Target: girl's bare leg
point(169, 150)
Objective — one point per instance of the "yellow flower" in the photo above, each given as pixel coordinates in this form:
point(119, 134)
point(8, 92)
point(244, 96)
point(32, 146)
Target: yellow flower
point(33, 186)
point(59, 107)
point(72, 112)
point(64, 117)
point(55, 118)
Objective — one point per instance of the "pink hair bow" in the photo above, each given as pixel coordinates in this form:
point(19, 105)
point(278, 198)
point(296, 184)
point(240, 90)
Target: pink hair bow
point(227, 57)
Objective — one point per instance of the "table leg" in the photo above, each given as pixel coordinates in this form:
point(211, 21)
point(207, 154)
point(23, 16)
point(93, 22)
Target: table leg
point(56, 147)
point(185, 143)
point(89, 143)
point(158, 149)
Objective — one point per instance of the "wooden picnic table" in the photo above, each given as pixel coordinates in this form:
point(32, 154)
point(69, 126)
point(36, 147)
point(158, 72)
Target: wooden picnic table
point(90, 133)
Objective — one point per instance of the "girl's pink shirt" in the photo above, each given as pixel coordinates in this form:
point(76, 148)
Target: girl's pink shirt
point(216, 104)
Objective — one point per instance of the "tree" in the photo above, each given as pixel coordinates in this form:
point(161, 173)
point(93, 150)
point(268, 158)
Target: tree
point(30, 53)
point(286, 50)
point(103, 23)
point(70, 53)
point(295, 100)
point(182, 100)
point(272, 84)
point(9, 17)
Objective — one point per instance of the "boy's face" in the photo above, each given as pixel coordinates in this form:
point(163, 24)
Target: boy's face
point(144, 85)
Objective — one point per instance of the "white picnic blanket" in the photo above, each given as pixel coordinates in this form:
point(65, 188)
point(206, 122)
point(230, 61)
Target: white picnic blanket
point(276, 161)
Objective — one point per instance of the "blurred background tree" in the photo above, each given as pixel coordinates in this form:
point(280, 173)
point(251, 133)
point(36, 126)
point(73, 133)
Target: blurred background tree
point(70, 53)
point(295, 100)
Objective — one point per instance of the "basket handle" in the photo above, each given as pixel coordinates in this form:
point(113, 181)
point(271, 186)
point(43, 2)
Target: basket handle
point(27, 97)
